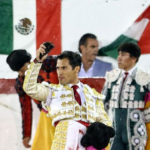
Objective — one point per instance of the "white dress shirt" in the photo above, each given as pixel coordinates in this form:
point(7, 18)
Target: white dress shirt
point(129, 71)
point(89, 73)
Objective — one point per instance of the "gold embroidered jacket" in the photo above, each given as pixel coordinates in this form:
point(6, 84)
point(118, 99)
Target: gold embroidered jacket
point(60, 102)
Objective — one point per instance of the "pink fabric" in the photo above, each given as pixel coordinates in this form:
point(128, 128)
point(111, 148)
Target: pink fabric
point(147, 97)
point(92, 148)
point(44, 110)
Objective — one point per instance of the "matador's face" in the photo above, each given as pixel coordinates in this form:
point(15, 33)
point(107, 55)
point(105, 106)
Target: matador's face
point(66, 74)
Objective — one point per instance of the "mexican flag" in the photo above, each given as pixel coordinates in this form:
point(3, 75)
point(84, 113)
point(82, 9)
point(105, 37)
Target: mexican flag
point(138, 33)
point(25, 24)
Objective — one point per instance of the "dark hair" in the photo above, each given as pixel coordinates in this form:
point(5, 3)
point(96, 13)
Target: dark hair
point(17, 58)
point(84, 38)
point(74, 58)
point(131, 48)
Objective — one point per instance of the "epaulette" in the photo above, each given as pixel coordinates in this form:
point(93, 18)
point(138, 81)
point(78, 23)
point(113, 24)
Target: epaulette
point(142, 77)
point(93, 92)
point(113, 75)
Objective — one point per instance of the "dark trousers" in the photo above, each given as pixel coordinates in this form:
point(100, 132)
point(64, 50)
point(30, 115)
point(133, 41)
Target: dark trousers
point(121, 141)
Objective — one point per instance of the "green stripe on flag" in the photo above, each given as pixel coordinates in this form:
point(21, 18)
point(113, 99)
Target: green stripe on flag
point(6, 26)
point(111, 49)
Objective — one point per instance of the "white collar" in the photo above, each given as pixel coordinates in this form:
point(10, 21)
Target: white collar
point(78, 84)
point(129, 71)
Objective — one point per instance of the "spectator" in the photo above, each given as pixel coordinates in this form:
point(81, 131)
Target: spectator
point(91, 67)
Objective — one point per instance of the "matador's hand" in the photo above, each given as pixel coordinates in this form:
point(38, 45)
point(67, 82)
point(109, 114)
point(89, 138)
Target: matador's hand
point(42, 51)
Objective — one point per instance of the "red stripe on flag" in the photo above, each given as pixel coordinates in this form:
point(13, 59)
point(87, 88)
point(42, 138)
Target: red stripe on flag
point(144, 41)
point(145, 14)
point(49, 23)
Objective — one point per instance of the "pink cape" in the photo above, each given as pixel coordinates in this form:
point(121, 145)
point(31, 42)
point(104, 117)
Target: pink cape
point(92, 148)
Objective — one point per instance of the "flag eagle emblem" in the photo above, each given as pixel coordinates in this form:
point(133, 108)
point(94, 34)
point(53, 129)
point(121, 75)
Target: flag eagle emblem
point(24, 26)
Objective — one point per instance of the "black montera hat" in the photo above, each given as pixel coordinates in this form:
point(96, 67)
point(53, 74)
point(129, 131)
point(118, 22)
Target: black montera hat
point(17, 58)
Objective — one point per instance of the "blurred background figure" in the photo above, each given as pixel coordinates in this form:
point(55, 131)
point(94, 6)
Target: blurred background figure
point(18, 60)
point(91, 67)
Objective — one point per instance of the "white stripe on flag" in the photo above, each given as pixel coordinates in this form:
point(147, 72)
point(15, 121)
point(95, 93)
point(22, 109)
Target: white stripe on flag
point(137, 29)
point(25, 9)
